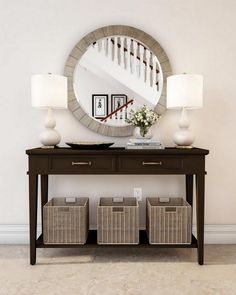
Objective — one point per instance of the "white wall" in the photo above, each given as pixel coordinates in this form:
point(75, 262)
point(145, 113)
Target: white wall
point(198, 36)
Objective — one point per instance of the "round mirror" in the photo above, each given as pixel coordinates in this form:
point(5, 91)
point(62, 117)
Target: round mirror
point(111, 71)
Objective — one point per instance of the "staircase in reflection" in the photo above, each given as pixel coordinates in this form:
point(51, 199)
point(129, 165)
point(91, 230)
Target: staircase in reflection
point(133, 67)
point(120, 114)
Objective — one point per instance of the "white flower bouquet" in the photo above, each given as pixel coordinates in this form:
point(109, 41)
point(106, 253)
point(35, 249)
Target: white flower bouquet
point(143, 118)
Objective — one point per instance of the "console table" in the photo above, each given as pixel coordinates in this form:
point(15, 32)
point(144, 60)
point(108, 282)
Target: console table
point(45, 162)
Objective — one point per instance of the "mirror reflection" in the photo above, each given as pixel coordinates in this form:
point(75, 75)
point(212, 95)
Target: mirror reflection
point(117, 74)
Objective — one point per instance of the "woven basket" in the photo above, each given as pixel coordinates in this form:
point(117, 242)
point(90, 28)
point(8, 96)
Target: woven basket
point(169, 221)
point(118, 222)
point(66, 222)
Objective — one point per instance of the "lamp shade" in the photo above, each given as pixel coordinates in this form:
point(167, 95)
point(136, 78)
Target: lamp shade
point(184, 90)
point(49, 91)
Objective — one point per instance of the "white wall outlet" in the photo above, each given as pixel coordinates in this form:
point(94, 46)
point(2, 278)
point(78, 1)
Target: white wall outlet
point(138, 193)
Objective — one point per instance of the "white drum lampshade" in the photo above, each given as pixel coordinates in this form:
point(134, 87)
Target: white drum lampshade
point(184, 91)
point(49, 91)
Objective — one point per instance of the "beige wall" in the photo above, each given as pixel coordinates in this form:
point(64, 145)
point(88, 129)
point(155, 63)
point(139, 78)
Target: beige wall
point(198, 36)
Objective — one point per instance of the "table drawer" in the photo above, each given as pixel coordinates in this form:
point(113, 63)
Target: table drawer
point(83, 164)
point(149, 164)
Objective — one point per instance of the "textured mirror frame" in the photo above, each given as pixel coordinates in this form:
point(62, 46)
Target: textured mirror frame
point(81, 47)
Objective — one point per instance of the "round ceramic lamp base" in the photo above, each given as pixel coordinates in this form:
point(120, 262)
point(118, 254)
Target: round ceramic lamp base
point(183, 138)
point(50, 136)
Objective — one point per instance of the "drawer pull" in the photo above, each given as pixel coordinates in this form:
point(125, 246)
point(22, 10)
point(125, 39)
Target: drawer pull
point(152, 163)
point(89, 163)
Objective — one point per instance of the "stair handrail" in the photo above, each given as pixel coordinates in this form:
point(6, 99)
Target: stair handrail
point(117, 110)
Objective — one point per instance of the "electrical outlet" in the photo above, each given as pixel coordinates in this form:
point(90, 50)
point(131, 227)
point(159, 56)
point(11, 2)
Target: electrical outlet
point(138, 193)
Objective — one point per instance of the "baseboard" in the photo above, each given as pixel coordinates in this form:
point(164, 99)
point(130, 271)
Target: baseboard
point(219, 233)
point(15, 233)
point(214, 234)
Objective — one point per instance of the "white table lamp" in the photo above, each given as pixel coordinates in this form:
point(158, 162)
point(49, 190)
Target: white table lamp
point(184, 91)
point(49, 91)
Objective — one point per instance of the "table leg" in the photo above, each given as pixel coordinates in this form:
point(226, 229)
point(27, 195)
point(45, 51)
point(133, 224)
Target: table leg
point(189, 189)
point(200, 200)
point(44, 194)
point(33, 198)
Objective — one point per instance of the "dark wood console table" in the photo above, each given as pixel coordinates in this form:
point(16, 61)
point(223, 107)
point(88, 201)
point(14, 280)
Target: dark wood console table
point(45, 162)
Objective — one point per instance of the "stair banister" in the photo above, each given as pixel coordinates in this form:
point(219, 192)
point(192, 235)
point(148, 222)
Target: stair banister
point(131, 53)
point(117, 110)
point(132, 57)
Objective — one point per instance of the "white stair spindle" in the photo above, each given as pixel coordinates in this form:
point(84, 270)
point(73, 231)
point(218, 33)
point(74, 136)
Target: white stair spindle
point(117, 119)
point(141, 67)
point(129, 108)
point(121, 115)
point(109, 48)
point(128, 43)
point(96, 46)
point(115, 50)
point(148, 67)
point(106, 47)
point(135, 57)
point(138, 63)
point(126, 112)
point(159, 78)
point(99, 45)
point(99, 42)
point(103, 46)
point(122, 52)
point(154, 71)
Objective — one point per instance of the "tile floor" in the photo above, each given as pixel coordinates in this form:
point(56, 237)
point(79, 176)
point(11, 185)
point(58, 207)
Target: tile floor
point(113, 271)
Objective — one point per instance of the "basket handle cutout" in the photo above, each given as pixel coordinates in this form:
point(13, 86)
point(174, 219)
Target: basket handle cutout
point(164, 199)
point(70, 200)
point(64, 209)
point(118, 209)
point(170, 209)
point(118, 200)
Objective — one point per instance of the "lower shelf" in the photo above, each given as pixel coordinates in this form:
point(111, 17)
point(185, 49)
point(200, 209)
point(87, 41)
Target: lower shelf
point(92, 241)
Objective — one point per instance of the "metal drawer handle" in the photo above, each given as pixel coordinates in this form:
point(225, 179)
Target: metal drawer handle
point(152, 163)
point(89, 163)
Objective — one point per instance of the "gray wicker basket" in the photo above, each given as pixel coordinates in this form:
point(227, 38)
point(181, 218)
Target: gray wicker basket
point(118, 222)
point(169, 221)
point(66, 222)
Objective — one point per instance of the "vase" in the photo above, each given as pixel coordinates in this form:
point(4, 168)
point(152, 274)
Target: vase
point(143, 132)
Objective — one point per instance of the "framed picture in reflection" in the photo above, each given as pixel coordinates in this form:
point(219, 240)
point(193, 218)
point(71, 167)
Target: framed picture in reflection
point(117, 101)
point(99, 106)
